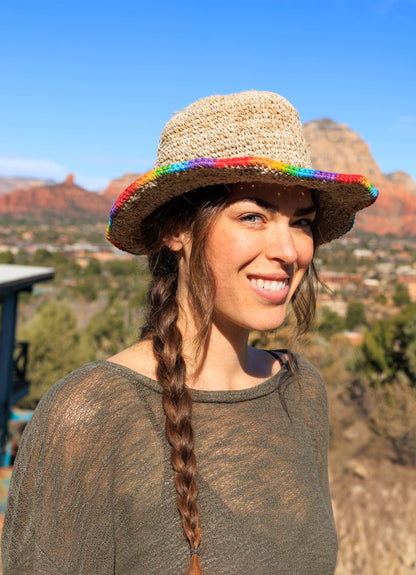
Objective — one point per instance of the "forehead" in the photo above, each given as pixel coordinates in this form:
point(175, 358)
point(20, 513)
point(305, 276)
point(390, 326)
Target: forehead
point(276, 195)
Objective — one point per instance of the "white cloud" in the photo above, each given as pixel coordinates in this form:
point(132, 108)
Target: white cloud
point(91, 183)
point(16, 166)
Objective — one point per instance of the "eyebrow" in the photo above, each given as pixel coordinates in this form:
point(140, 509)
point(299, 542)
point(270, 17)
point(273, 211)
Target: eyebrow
point(307, 210)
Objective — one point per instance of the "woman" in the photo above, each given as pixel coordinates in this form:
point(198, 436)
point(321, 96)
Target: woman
point(191, 441)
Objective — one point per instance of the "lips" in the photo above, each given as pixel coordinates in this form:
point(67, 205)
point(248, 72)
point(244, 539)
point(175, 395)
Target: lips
point(270, 288)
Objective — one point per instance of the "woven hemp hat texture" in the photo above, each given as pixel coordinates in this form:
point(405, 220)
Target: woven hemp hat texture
point(243, 137)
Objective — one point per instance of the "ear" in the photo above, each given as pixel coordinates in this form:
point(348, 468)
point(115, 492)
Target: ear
point(177, 242)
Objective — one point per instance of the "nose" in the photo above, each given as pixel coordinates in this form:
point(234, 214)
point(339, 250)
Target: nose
point(281, 244)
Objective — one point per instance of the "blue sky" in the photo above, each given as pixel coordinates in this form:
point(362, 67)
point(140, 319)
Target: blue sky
point(86, 86)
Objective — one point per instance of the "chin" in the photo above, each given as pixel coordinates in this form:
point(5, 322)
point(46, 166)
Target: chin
point(250, 320)
point(264, 323)
point(266, 327)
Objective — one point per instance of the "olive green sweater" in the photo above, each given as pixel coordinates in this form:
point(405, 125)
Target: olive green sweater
point(92, 491)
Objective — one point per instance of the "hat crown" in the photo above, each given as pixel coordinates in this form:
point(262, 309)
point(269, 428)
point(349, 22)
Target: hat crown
point(258, 124)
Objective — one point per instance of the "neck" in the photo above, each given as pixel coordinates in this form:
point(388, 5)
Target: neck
point(221, 361)
point(226, 361)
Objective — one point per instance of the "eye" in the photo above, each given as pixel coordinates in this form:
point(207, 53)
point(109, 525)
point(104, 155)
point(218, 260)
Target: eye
point(302, 222)
point(251, 218)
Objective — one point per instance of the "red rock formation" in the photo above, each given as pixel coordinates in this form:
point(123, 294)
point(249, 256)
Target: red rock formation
point(402, 178)
point(63, 200)
point(118, 185)
point(8, 184)
point(336, 148)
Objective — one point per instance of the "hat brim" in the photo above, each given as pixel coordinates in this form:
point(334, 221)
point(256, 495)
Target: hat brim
point(340, 195)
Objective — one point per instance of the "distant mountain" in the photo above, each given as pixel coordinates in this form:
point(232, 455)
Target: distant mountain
point(65, 200)
point(118, 185)
point(402, 178)
point(335, 147)
point(7, 184)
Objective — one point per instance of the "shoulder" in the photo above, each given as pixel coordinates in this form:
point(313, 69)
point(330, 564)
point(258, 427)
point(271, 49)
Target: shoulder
point(308, 373)
point(313, 398)
point(313, 385)
point(92, 383)
point(307, 386)
point(96, 394)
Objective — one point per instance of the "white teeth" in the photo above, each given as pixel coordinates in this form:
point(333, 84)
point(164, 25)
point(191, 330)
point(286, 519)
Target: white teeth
point(269, 285)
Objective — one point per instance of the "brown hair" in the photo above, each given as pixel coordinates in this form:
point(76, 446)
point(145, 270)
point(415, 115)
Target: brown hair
point(194, 212)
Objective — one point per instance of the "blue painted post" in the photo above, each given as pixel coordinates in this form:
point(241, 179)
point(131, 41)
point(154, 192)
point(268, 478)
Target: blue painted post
point(7, 335)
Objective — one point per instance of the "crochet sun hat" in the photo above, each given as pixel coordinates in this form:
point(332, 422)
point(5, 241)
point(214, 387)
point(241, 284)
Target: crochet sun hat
point(245, 137)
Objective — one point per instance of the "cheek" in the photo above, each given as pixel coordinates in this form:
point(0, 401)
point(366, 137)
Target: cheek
point(224, 259)
point(227, 252)
point(305, 252)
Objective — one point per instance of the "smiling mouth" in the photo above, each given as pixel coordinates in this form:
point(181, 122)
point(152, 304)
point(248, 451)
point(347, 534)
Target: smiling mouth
point(269, 285)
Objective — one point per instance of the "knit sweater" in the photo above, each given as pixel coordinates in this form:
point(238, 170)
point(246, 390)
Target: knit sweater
point(93, 491)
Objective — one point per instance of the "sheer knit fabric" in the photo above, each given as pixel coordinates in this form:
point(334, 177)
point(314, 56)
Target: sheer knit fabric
point(93, 490)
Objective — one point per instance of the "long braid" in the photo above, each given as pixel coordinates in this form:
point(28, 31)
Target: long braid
point(191, 213)
point(177, 399)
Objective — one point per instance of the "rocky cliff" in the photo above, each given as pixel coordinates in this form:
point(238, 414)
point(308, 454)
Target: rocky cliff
point(118, 185)
point(60, 200)
point(7, 184)
point(335, 147)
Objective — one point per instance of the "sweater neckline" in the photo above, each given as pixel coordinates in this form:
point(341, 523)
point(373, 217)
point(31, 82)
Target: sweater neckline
point(266, 387)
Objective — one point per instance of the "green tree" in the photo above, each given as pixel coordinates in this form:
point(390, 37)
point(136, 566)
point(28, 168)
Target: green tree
point(56, 347)
point(86, 290)
point(109, 331)
point(7, 258)
point(330, 323)
point(381, 299)
point(42, 257)
point(123, 268)
point(384, 372)
point(401, 295)
point(388, 350)
point(355, 315)
point(93, 268)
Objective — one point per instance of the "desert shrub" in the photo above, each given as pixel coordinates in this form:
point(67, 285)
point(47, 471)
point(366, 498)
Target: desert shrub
point(388, 350)
point(392, 415)
point(384, 382)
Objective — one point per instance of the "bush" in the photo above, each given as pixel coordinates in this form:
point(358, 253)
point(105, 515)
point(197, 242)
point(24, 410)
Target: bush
point(330, 323)
point(392, 414)
point(401, 295)
point(388, 351)
point(385, 382)
point(56, 347)
point(355, 315)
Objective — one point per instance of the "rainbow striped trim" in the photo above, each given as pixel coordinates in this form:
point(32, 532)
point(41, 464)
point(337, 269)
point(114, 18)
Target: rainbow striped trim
point(265, 163)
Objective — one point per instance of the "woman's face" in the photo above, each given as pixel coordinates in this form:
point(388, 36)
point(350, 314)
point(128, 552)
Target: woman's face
point(259, 249)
